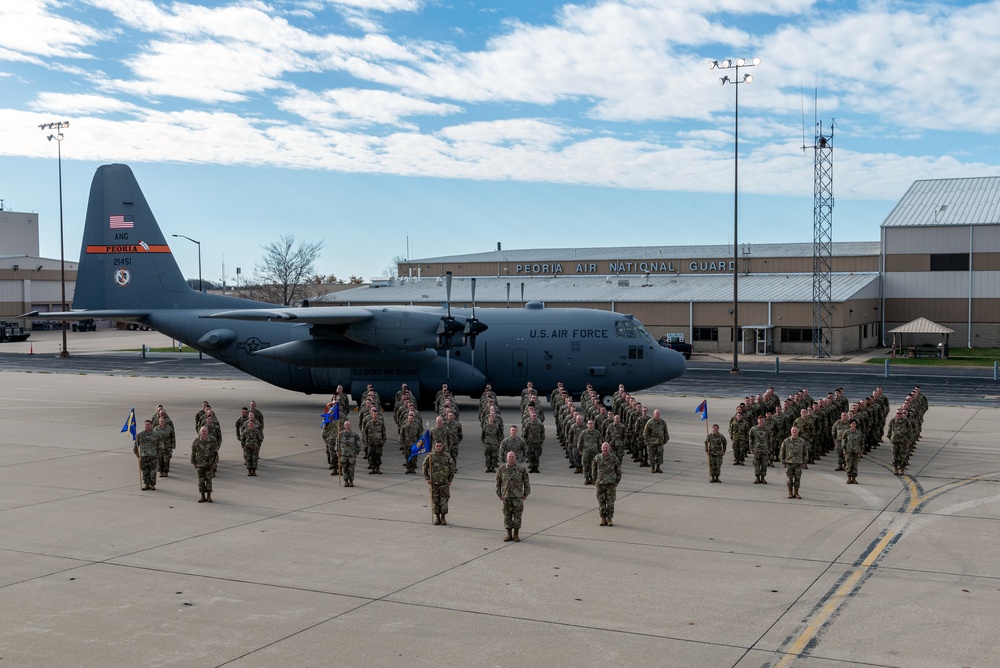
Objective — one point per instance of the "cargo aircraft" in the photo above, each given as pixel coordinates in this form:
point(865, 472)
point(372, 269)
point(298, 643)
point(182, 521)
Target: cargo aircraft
point(127, 272)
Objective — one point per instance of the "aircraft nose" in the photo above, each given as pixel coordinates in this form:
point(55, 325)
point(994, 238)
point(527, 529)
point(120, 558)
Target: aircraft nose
point(667, 365)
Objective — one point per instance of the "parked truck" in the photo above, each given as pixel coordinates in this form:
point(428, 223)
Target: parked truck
point(12, 331)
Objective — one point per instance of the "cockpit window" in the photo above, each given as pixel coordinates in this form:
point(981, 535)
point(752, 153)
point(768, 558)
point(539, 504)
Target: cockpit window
point(627, 329)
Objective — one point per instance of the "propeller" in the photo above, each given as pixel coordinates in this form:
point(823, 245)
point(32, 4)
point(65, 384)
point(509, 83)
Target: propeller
point(473, 326)
point(449, 325)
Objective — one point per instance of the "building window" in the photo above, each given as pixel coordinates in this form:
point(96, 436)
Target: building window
point(796, 335)
point(705, 334)
point(949, 262)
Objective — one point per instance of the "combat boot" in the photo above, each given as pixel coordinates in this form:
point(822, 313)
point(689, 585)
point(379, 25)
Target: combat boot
point(579, 469)
point(208, 497)
point(443, 520)
point(202, 499)
point(604, 521)
point(145, 487)
point(791, 494)
point(249, 472)
point(763, 480)
point(509, 537)
point(517, 539)
point(437, 520)
point(797, 493)
point(610, 523)
point(756, 480)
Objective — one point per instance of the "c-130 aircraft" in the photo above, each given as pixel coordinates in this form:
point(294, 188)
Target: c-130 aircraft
point(127, 272)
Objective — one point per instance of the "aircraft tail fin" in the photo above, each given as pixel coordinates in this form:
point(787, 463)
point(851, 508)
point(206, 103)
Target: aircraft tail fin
point(125, 261)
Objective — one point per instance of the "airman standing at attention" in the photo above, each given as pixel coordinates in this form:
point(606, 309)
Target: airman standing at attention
point(899, 436)
point(588, 443)
point(244, 416)
point(439, 471)
point(760, 448)
point(215, 434)
point(168, 441)
point(491, 437)
point(409, 433)
point(614, 434)
point(793, 455)
point(854, 445)
point(513, 487)
point(454, 427)
point(655, 435)
point(441, 432)
point(348, 447)
point(251, 438)
point(147, 449)
point(514, 444)
point(534, 437)
point(606, 473)
point(739, 431)
point(374, 437)
point(715, 448)
point(203, 457)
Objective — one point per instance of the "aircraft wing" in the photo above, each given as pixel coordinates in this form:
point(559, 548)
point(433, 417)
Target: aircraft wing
point(107, 314)
point(322, 315)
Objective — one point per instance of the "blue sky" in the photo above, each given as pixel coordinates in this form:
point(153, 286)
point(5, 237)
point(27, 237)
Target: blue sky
point(459, 125)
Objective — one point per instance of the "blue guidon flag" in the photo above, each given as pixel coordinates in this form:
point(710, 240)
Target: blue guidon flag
point(422, 446)
point(332, 415)
point(129, 425)
point(703, 409)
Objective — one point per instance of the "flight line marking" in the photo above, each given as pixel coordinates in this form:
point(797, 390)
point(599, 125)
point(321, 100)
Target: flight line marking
point(801, 643)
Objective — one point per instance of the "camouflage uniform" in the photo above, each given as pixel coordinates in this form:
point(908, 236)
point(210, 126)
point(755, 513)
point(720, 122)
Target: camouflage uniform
point(760, 447)
point(793, 455)
point(147, 448)
point(491, 437)
point(614, 434)
point(374, 437)
point(203, 458)
point(513, 487)
point(589, 444)
point(348, 447)
point(854, 444)
point(409, 434)
point(168, 441)
point(515, 445)
point(715, 448)
point(655, 435)
point(739, 431)
point(606, 472)
point(534, 437)
point(899, 436)
point(251, 440)
point(331, 432)
point(439, 471)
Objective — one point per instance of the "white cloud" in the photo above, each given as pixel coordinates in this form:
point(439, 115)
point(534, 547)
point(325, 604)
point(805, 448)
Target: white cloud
point(35, 31)
point(353, 107)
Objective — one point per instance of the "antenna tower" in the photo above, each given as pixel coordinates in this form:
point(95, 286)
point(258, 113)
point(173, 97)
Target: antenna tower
point(822, 285)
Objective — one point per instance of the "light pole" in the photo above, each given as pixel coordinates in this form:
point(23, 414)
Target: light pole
point(58, 136)
point(736, 80)
point(200, 286)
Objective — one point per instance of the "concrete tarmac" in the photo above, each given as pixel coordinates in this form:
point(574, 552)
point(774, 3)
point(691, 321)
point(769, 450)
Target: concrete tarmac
point(290, 569)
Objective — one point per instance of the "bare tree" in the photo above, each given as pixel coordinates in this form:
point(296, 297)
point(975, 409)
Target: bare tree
point(280, 275)
point(392, 269)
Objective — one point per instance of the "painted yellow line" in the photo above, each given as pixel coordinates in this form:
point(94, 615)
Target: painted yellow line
point(834, 602)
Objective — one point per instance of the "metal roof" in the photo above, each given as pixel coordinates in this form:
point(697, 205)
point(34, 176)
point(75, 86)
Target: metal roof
point(921, 326)
point(944, 202)
point(618, 289)
point(627, 253)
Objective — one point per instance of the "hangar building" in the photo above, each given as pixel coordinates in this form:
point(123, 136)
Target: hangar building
point(27, 281)
point(938, 257)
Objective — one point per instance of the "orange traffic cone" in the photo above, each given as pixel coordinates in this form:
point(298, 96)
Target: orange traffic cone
point(31, 348)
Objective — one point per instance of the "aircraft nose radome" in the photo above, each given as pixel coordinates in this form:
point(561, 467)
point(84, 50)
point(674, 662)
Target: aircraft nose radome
point(668, 364)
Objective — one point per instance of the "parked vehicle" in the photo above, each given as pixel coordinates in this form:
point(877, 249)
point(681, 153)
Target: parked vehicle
point(12, 331)
point(676, 342)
